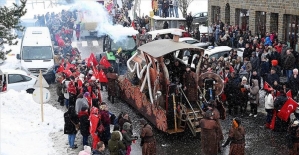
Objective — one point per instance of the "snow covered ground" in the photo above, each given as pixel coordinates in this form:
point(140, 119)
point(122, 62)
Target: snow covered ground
point(22, 131)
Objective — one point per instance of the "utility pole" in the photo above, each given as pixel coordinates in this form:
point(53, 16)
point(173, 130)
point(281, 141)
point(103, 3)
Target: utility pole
point(136, 8)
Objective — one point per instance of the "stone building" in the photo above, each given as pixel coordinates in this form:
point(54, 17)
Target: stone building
point(259, 16)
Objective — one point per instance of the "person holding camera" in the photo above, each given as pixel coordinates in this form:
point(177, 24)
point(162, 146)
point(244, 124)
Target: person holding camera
point(128, 137)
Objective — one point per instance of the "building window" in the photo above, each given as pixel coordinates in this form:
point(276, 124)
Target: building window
point(292, 29)
point(260, 23)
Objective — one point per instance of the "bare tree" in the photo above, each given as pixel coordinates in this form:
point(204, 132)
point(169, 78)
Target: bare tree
point(183, 6)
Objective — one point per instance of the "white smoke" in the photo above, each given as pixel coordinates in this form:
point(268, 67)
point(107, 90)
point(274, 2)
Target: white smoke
point(96, 12)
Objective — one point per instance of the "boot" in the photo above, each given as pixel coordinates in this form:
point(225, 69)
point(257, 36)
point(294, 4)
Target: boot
point(109, 98)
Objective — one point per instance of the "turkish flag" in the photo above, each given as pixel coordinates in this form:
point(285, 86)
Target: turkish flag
point(289, 94)
point(272, 124)
point(102, 77)
point(69, 66)
point(267, 87)
point(94, 120)
point(60, 69)
point(104, 61)
point(289, 107)
point(68, 73)
point(92, 59)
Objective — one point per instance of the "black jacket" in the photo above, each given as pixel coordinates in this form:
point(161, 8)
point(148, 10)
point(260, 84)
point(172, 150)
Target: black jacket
point(84, 123)
point(247, 53)
point(69, 127)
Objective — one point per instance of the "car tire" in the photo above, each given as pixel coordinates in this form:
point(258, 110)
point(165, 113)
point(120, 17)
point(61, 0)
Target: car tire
point(30, 91)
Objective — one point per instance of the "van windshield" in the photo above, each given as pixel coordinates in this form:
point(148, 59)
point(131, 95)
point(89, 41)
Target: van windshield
point(37, 53)
point(127, 44)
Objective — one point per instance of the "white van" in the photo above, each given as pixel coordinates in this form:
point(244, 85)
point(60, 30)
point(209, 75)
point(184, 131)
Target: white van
point(37, 52)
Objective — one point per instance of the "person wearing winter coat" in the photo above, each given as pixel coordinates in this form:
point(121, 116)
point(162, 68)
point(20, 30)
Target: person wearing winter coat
point(59, 90)
point(105, 120)
point(80, 103)
point(115, 143)
point(128, 137)
point(66, 94)
point(148, 141)
point(254, 98)
point(70, 120)
point(84, 124)
point(236, 138)
point(293, 83)
point(269, 106)
point(86, 151)
point(289, 63)
point(100, 149)
point(72, 90)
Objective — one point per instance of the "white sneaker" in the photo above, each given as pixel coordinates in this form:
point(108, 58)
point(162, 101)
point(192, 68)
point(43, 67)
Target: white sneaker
point(254, 115)
point(250, 114)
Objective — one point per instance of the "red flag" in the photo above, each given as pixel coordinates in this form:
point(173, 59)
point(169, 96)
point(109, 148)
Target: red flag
point(95, 72)
point(289, 94)
point(60, 69)
point(68, 73)
point(102, 77)
point(92, 59)
point(289, 107)
point(69, 66)
point(104, 61)
point(94, 120)
point(272, 124)
point(267, 86)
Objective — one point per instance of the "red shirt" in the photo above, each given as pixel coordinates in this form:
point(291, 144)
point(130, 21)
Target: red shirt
point(72, 88)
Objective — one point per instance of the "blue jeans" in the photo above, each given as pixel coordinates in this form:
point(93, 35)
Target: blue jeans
point(171, 12)
point(85, 140)
point(232, 42)
point(176, 11)
point(66, 103)
point(72, 140)
point(289, 74)
point(160, 10)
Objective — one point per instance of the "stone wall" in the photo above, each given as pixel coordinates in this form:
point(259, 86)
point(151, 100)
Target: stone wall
point(271, 7)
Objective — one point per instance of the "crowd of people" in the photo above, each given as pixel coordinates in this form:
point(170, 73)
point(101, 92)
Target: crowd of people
point(79, 86)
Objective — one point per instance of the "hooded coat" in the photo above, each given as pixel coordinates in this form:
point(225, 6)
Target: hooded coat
point(115, 144)
point(81, 102)
point(254, 92)
point(127, 134)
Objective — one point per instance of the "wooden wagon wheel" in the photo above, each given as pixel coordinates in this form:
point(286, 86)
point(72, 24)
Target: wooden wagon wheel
point(219, 85)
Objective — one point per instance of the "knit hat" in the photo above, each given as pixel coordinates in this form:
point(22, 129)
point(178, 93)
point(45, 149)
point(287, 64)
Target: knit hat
point(244, 78)
point(296, 123)
point(274, 62)
point(86, 94)
point(90, 72)
point(87, 149)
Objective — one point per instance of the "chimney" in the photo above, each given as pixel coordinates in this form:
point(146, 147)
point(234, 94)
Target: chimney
point(176, 35)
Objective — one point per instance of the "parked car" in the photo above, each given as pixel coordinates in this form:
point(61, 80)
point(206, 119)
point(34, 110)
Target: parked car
point(200, 17)
point(17, 80)
point(219, 51)
point(195, 42)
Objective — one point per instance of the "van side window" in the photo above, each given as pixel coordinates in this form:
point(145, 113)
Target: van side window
point(15, 78)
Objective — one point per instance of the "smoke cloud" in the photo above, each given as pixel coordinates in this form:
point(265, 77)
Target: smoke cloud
point(96, 12)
